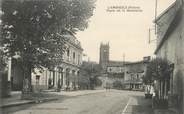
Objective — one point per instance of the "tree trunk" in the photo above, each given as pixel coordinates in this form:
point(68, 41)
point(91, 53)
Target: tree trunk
point(165, 88)
point(27, 88)
point(162, 91)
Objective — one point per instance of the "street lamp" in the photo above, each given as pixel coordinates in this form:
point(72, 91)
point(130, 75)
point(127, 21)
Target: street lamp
point(149, 33)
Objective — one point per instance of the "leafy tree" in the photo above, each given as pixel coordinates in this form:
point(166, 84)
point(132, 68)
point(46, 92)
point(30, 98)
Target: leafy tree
point(2, 61)
point(157, 69)
point(33, 29)
point(90, 71)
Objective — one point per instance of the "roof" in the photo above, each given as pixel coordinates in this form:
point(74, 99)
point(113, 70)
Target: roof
point(117, 63)
point(137, 62)
point(121, 63)
point(164, 12)
point(171, 26)
point(133, 81)
point(70, 38)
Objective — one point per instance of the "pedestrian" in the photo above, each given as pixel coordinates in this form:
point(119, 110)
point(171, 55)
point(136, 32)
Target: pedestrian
point(153, 96)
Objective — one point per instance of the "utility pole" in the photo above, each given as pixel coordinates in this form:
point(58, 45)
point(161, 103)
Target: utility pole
point(124, 66)
point(156, 5)
point(88, 59)
point(123, 59)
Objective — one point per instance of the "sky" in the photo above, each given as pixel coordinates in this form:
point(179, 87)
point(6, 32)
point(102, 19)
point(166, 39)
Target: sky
point(126, 32)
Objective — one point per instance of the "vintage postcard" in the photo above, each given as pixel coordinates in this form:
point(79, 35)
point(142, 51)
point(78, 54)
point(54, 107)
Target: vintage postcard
point(92, 57)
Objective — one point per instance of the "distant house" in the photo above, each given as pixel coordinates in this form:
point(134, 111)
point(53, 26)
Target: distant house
point(170, 46)
point(129, 74)
point(134, 73)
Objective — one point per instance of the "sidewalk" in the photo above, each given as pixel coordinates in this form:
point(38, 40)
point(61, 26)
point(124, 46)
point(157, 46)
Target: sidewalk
point(166, 111)
point(15, 98)
point(137, 104)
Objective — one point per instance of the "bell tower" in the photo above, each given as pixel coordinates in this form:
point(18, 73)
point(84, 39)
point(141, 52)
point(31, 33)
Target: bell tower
point(104, 55)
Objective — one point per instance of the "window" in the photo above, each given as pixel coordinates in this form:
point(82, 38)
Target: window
point(78, 59)
point(110, 69)
point(132, 78)
point(68, 52)
point(73, 55)
point(73, 72)
point(37, 79)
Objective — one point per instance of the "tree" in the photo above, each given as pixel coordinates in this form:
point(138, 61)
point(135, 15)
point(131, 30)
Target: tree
point(4, 90)
point(2, 61)
point(90, 71)
point(159, 70)
point(33, 29)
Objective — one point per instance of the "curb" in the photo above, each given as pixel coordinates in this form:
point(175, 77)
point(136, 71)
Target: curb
point(16, 104)
point(89, 93)
point(28, 102)
point(84, 94)
point(45, 100)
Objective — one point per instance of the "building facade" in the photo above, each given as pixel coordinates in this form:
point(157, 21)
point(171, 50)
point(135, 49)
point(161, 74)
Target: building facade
point(130, 74)
point(66, 74)
point(170, 46)
point(115, 74)
point(134, 73)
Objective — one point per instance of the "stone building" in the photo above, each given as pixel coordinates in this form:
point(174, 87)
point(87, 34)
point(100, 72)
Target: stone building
point(114, 73)
point(170, 45)
point(65, 75)
point(134, 73)
point(130, 74)
point(104, 55)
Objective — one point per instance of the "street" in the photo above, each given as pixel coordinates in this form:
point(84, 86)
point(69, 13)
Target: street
point(106, 102)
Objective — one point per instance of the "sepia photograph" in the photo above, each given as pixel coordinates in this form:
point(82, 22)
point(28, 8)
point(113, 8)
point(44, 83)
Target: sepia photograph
point(91, 56)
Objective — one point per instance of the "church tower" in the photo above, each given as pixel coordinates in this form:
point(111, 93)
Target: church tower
point(104, 55)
